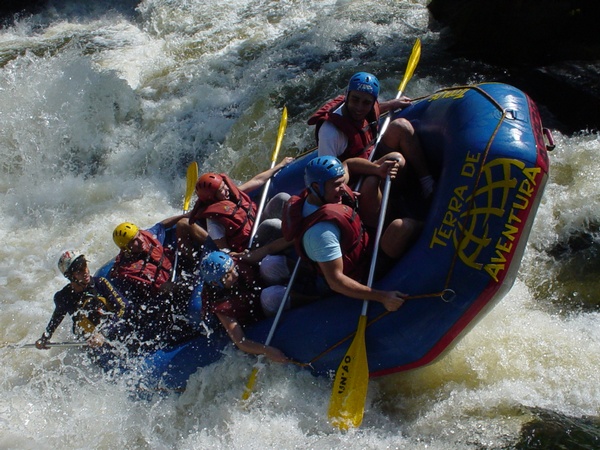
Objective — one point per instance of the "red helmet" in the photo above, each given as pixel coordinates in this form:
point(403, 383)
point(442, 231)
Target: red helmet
point(207, 186)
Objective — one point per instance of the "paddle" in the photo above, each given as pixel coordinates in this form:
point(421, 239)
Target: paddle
point(190, 186)
point(257, 366)
point(415, 55)
point(263, 199)
point(280, 133)
point(48, 344)
point(347, 403)
point(413, 60)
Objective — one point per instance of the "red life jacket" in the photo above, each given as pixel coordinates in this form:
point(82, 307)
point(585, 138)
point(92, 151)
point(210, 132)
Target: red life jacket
point(361, 137)
point(354, 240)
point(236, 215)
point(149, 269)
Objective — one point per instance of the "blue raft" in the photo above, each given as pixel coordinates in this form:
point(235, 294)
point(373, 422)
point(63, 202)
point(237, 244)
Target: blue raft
point(488, 152)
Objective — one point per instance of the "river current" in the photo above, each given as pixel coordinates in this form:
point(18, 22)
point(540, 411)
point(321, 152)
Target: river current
point(103, 106)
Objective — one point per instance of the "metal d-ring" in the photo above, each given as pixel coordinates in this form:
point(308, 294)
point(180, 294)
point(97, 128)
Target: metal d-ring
point(448, 295)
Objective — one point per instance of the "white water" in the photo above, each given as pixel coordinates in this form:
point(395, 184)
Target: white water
point(100, 114)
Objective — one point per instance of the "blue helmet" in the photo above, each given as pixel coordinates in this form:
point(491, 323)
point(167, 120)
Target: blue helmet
point(215, 266)
point(364, 82)
point(321, 169)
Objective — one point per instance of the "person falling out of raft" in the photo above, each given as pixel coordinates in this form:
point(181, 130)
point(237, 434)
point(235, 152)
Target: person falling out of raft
point(235, 292)
point(225, 213)
point(346, 127)
point(98, 311)
point(325, 224)
point(142, 271)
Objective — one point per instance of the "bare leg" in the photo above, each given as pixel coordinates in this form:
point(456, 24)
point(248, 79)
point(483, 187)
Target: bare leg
point(401, 136)
point(369, 201)
point(370, 193)
point(399, 235)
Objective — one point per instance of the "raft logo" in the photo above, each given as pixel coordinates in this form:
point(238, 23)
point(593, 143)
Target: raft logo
point(492, 216)
point(345, 374)
point(451, 93)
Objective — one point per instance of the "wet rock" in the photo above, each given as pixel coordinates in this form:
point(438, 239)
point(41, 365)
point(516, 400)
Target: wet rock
point(550, 49)
point(571, 89)
point(513, 32)
point(551, 429)
point(10, 8)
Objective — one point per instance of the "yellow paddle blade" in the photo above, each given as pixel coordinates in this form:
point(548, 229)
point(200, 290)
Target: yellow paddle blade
point(280, 133)
point(250, 384)
point(191, 178)
point(349, 393)
point(412, 63)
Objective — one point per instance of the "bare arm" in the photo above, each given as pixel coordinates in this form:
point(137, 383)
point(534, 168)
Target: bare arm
point(172, 221)
point(221, 243)
point(57, 317)
point(256, 255)
point(337, 281)
point(394, 104)
point(260, 179)
point(362, 166)
point(236, 333)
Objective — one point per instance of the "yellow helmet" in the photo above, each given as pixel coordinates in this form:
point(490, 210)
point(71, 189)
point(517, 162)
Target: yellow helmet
point(124, 233)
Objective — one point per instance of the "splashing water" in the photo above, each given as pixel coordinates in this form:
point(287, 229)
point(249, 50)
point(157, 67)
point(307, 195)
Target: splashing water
point(102, 108)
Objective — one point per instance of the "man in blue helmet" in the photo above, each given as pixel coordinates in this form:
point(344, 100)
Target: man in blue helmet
point(234, 291)
point(326, 228)
point(347, 128)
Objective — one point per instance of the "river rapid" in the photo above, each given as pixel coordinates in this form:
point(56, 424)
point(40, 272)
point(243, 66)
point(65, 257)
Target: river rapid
point(103, 106)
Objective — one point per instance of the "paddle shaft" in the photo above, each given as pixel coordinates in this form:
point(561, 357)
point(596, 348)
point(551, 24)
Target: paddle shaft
point(384, 202)
point(282, 304)
point(261, 207)
point(252, 378)
point(48, 344)
point(265, 192)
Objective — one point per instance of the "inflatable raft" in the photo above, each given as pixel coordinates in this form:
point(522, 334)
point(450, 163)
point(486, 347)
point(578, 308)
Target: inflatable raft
point(488, 151)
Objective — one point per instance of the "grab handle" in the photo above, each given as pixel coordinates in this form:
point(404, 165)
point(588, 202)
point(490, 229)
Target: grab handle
point(550, 140)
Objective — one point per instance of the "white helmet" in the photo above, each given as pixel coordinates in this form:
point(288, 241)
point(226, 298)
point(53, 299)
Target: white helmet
point(67, 260)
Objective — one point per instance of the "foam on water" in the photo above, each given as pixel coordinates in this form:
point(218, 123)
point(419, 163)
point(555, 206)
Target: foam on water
point(102, 112)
